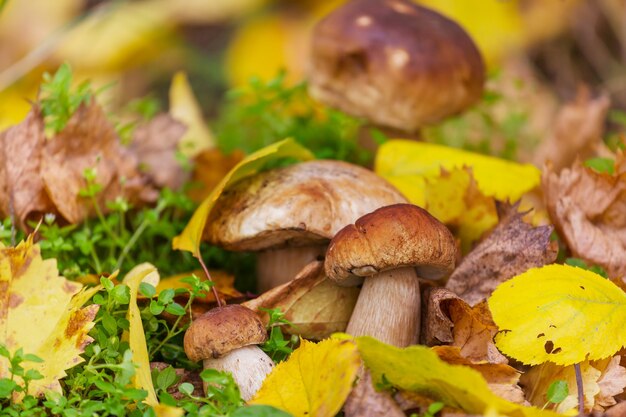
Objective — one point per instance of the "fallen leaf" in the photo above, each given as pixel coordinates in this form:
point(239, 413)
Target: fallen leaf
point(451, 320)
point(189, 240)
point(185, 108)
point(315, 305)
point(136, 336)
point(22, 193)
point(407, 164)
point(559, 313)
point(418, 369)
point(365, 400)
point(577, 132)
point(602, 380)
point(588, 210)
point(155, 143)
point(511, 248)
point(315, 380)
point(34, 296)
point(455, 200)
point(223, 281)
point(501, 378)
point(210, 166)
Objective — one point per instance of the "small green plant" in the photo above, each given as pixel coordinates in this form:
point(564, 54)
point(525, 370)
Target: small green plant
point(277, 347)
point(601, 165)
point(266, 112)
point(557, 392)
point(58, 100)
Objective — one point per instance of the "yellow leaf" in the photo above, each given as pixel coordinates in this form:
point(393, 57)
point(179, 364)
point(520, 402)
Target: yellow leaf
point(189, 240)
point(34, 296)
point(559, 313)
point(407, 164)
point(315, 380)
point(418, 369)
point(184, 108)
point(136, 336)
point(454, 199)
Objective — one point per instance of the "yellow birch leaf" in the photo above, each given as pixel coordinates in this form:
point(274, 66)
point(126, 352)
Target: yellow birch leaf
point(34, 296)
point(559, 313)
point(191, 237)
point(185, 108)
point(315, 380)
point(419, 369)
point(407, 164)
point(136, 336)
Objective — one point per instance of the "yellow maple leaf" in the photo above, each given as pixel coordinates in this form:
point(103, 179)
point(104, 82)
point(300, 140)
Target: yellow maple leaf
point(189, 240)
point(454, 199)
point(559, 313)
point(315, 380)
point(185, 108)
point(34, 296)
point(418, 369)
point(407, 164)
point(136, 336)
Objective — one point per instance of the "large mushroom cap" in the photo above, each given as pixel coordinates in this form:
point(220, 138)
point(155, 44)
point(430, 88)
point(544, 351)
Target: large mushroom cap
point(394, 62)
point(392, 237)
point(222, 330)
point(301, 204)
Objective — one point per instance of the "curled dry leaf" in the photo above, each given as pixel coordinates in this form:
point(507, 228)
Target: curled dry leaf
point(510, 249)
point(602, 380)
point(501, 378)
point(155, 143)
point(365, 400)
point(34, 296)
point(451, 320)
point(315, 305)
point(577, 132)
point(39, 175)
point(588, 209)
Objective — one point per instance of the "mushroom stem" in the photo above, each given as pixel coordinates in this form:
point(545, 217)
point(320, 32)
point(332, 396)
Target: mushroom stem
point(278, 266)
point(388, 308)
point(249, 366)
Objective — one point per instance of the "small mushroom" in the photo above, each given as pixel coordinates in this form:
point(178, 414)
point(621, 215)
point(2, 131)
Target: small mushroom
point(290, 214)
point(391, 246)
point(395, 63)
point(225, 339)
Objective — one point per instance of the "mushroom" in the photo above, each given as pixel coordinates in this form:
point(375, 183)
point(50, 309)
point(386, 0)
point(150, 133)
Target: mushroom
point(225, 339)
point(395, 63)
point(392, 247)
point(290, 214)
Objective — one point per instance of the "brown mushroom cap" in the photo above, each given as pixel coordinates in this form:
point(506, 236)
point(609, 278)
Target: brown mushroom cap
point(394, 62)
point(302, 204)
point(222, 330)
point(392, 237)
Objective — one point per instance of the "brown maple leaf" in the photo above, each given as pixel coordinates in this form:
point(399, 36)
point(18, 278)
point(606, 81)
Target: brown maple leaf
point(450, 320)
point(588, 209)
point(511, 248)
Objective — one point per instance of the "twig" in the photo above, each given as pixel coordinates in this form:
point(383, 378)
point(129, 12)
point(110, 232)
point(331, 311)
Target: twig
point(206, 271)
point(579, 386)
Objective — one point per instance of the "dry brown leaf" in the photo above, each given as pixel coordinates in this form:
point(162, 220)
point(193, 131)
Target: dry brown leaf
point(588, 209)
point(223, 281)
point(510, 249)
point(155, 144)
point(21, 187)
point(210, 167)
point(501, 378)
point(602, 380)
point(451, 320)
point(577, 132)
point(365, 400)
point(314, 304)
point(89, 141)
point(618, 410)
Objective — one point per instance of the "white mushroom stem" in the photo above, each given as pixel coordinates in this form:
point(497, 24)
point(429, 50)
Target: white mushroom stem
point(249, 366)
point(278, 266)
point(388, 308)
